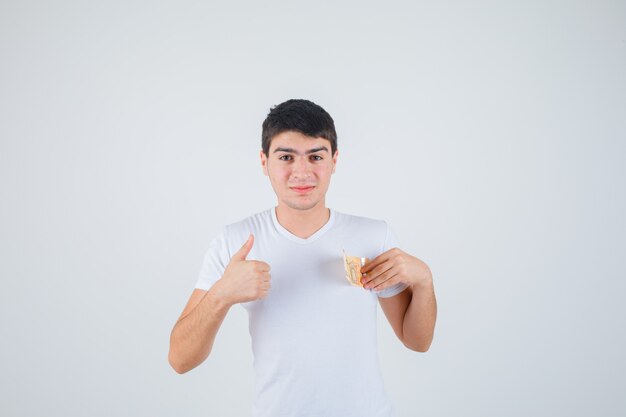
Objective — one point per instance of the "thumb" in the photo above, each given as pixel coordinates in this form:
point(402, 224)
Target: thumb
point(241, 254)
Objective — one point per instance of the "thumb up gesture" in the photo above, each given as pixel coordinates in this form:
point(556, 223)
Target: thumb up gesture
point(244, 280)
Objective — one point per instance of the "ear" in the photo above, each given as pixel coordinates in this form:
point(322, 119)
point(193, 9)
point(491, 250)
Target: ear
point(264, 162)
point(335, 160)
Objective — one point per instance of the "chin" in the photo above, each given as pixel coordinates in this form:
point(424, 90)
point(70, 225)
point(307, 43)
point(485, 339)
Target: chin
point(301, 205)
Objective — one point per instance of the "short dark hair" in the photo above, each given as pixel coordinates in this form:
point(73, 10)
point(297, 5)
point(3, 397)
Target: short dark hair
point(299, 115)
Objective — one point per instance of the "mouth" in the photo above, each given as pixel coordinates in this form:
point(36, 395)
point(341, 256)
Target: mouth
point(302, 190)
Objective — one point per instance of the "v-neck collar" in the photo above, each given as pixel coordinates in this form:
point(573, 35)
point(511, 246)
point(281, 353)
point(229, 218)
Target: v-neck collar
point(298, 239)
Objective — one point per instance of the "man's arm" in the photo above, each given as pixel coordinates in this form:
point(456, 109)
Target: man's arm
point(412, 315)
point(193, 334)
point(413, 312)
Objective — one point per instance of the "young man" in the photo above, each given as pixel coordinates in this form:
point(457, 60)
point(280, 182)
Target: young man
point(313, 334)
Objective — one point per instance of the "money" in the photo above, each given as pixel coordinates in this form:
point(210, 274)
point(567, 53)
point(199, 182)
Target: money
point(353, 266)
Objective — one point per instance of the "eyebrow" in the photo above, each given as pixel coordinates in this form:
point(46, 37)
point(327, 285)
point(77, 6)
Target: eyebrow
point(291, 150)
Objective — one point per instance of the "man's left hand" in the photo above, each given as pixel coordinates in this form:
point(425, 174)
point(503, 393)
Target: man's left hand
point(392, 267)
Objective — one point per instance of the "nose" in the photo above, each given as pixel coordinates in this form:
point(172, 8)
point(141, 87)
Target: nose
point(301, 169)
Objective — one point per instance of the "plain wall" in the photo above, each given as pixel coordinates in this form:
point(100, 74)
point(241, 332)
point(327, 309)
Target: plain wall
point(490, 135)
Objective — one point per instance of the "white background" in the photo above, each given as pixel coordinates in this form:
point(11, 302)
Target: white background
point(490, 135)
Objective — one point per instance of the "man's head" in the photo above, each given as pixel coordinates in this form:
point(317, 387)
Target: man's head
point(299, 153)
point(298, 115)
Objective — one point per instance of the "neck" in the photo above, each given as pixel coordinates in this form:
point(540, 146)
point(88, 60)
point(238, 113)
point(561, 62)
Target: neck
point(302, 223)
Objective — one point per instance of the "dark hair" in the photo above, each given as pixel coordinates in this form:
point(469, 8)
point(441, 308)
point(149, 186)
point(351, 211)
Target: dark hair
point(300, 115)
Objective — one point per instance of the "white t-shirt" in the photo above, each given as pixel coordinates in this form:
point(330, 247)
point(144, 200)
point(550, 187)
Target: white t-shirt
point(313, 335)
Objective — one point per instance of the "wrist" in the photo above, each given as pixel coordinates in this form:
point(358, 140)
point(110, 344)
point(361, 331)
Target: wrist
point(218, 298)
point(425, 282)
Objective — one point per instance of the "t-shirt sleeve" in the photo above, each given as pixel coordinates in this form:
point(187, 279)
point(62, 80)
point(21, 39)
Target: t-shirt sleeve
point(215, 261)
point(391, 242)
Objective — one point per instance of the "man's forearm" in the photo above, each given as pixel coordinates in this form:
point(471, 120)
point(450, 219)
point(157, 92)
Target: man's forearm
point(418, 325)
point(193, 335)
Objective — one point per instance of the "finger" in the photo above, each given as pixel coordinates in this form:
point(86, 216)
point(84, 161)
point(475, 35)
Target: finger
point(374, 273)
point(375, 262)
point(387, 284)
point(241, 254)
point(381, 279)
point(262, 277)
point(262, 266)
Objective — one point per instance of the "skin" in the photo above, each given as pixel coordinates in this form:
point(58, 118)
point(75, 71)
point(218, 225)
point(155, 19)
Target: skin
point(297, 160)
point(413, 312)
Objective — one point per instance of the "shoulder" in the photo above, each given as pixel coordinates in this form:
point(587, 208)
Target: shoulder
point(363, 223)
point(254, 220)
point(373, 234)
point(258, 224)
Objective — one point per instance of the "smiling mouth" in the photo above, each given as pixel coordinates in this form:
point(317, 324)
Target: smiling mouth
point(302, 190)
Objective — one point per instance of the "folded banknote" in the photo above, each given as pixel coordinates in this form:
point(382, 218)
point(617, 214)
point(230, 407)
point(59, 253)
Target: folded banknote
point(353, 266)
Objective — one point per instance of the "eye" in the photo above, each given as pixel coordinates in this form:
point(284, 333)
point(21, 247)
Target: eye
point(316, 157)
point(284, 156)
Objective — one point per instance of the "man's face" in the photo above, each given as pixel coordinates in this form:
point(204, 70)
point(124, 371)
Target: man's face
point(299, 168)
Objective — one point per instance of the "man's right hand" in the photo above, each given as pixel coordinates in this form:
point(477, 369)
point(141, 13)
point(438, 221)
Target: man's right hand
point(244, 280)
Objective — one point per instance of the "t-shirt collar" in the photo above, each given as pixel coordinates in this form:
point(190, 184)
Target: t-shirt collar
point(298, 239)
